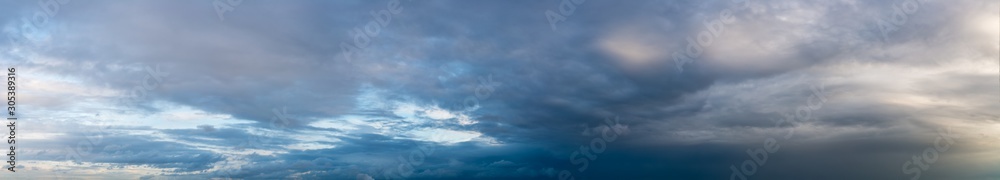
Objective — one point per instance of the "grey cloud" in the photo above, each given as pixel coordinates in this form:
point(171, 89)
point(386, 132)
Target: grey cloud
point(607, 59)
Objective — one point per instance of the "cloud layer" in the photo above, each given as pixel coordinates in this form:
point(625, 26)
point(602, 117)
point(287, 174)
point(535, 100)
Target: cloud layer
point(497, 90)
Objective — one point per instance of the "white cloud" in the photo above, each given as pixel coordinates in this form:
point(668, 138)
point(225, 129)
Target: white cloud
point(444, 136)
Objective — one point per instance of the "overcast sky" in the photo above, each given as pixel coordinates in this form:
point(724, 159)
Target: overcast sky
point(595, 89)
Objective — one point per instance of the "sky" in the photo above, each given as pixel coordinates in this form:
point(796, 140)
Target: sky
point(555, 89)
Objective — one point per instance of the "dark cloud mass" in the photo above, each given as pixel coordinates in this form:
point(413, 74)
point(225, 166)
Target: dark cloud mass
point(506, 89)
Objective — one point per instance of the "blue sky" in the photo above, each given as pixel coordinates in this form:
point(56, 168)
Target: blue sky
point(824, 89)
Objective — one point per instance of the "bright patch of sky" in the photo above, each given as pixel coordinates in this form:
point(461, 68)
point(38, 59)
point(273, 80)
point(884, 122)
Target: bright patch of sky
point(413, 118)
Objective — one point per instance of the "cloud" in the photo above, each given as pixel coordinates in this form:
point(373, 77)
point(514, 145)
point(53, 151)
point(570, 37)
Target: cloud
point(486, 90)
